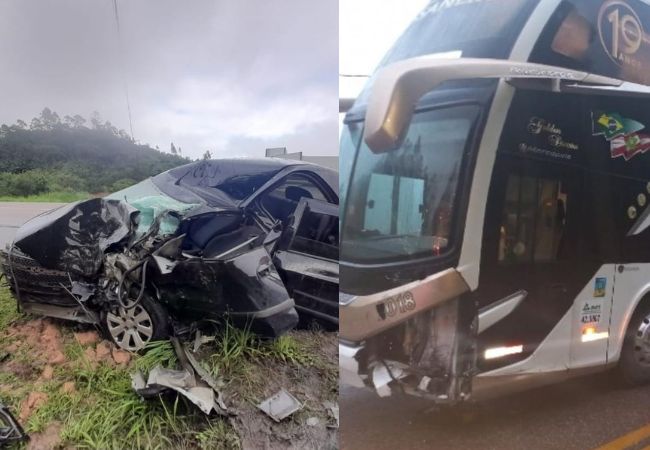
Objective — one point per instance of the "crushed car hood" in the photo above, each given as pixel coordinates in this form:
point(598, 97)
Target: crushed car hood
point(74, 237)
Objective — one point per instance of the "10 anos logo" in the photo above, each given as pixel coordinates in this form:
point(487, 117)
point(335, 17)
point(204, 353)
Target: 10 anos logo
point(621, 32)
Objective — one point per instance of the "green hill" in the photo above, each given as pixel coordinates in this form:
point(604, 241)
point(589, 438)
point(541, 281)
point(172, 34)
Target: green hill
point(57, 156)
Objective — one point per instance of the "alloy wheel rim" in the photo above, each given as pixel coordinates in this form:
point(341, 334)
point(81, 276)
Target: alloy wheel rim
point(132, 328)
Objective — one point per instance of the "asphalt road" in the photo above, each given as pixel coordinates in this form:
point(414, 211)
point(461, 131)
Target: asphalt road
point(585, 413)
point(14, 214)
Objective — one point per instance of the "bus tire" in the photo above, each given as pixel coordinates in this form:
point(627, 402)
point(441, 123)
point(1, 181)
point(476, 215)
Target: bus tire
point(634, 364)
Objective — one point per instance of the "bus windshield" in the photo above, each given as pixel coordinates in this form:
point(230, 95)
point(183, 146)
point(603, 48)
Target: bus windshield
point(467, 28)
point(478, 28)
point(401, 204)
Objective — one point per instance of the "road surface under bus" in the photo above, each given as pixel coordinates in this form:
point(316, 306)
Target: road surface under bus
point(594, 412)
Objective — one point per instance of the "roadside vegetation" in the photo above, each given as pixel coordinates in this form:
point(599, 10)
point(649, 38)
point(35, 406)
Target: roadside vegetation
point(71, 389)
point(70, 158)
point(48, 197)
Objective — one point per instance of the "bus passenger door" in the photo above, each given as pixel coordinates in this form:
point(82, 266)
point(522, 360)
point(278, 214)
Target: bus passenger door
point(530, 251)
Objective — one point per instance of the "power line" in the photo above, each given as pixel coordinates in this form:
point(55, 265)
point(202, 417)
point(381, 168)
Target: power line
point(123, 67)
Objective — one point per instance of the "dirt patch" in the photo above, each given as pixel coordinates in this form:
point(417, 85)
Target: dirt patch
point(103, 351)
point(42, 337)
point(29, 331)
point(120, 356)
point(51, 343)
point(106, 352)
point(87, 337)
point(33, 402)
point(313, 385)
point(48, 373)
point(20, 369)
point(68, 387)
point(91, 356)
point(48, 439)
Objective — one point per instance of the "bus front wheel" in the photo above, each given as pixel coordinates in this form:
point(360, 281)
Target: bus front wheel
point(634, 364)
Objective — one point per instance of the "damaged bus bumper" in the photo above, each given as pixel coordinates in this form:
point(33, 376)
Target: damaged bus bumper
point(417, 339)
point(429, 350)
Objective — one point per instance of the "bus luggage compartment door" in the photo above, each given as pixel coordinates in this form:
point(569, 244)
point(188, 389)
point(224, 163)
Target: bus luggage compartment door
point(591, 319)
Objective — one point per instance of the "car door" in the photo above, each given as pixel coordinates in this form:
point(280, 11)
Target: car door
point(277, 201)
point(307, 260)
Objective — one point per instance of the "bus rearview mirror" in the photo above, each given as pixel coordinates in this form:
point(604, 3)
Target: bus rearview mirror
point(399, 86)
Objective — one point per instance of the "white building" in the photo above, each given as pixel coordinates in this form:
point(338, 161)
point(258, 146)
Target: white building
point(281, 152)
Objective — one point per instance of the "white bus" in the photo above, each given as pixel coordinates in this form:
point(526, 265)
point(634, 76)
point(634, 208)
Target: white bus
point(495, 180)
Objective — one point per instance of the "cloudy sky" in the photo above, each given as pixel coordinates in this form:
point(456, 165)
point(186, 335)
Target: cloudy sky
point(233, 77)
point(367, 30)
point(365, 37)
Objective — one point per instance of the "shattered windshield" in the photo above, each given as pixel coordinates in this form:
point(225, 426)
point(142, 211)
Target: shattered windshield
point(401, 204)
point(152, 203)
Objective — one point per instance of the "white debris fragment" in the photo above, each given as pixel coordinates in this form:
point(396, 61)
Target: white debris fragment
point(384, 374)
point(280, 405)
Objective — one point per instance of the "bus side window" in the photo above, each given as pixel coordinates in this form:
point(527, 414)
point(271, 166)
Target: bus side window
point(533, 220)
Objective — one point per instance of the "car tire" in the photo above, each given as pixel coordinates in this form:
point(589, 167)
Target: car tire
point(634, 364)
point(132, 329)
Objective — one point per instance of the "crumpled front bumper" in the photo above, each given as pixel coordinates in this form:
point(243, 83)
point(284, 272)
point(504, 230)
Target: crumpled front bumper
point(379, 375)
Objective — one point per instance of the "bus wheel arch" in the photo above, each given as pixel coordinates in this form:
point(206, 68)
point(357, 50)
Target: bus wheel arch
point(634, 359)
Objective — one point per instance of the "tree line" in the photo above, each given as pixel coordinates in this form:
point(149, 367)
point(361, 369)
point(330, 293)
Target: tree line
point(53, 154)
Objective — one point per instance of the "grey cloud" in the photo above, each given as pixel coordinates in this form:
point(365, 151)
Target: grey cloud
point(223, 75)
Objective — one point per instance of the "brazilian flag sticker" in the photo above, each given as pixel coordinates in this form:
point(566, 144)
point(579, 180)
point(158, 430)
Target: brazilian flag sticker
point(613, 125)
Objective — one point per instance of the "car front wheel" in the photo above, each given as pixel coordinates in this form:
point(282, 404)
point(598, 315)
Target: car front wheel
point(133, 328)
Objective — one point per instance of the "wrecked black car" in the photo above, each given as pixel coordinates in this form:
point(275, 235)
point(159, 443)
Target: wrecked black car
point(253, 240)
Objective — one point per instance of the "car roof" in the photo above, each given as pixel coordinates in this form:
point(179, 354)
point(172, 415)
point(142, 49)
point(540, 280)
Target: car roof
point(208, 178)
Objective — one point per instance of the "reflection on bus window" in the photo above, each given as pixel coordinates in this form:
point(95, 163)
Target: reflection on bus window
point(402, 202)
point(573, 37)
point(534, 220)
point(406, 192)
point(349, 141)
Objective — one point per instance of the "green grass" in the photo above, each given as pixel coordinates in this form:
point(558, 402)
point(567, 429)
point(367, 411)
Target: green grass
point(157, 353)
point(289, 349)
point(237, 355)
point(105, 412)
point(49, 197)
point(217, 435)
point(8, 311)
